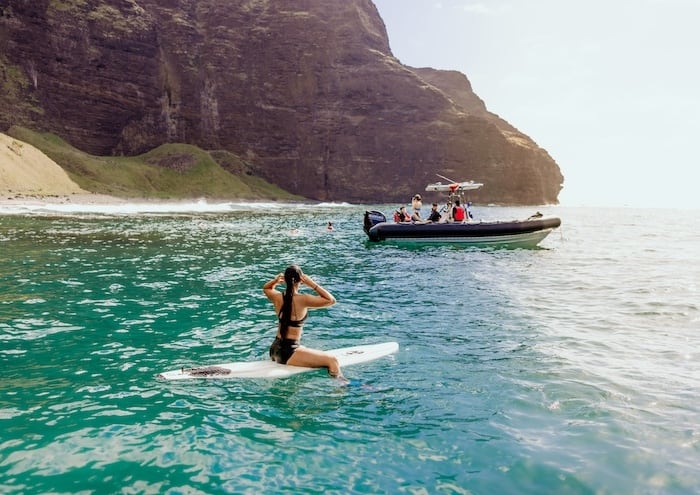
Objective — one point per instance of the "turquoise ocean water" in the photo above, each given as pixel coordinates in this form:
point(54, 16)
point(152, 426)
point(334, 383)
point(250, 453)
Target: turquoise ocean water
point(570, 369)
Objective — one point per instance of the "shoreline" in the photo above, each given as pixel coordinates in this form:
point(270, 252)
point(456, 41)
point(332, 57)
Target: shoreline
point(14, 203)
point(35, 199)
point(97, 199)
point(103, 204)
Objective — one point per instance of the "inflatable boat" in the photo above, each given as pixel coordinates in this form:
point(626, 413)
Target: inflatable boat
point(509, 233)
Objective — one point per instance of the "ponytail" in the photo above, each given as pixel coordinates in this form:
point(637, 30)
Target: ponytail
point(292, 275)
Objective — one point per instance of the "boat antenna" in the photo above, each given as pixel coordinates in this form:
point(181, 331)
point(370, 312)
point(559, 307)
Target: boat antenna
point(446, 178)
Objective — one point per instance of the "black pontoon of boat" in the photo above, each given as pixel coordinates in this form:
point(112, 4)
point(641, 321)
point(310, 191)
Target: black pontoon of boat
point(510, 233)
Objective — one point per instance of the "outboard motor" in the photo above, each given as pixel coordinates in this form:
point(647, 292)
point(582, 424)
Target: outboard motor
point(372, 218)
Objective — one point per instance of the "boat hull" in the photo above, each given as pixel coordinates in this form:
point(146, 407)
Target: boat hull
point(515, 233)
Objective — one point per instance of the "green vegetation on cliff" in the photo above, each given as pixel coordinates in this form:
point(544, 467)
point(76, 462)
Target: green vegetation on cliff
point(171, 171)
point(15, 91)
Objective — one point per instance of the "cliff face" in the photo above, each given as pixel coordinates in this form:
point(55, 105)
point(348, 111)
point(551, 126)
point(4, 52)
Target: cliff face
point(307, 91)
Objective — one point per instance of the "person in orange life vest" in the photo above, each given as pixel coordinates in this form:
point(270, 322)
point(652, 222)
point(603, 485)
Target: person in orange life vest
point(402, 216)
point(458, 212)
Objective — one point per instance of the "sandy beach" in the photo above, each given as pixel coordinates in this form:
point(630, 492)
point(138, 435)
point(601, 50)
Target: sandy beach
point(29, 178)
point(27, 172)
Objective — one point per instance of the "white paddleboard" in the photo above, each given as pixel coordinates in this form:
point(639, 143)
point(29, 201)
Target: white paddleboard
point(347, 356)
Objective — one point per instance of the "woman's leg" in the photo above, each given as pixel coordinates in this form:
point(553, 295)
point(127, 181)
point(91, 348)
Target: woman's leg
point(313, 358)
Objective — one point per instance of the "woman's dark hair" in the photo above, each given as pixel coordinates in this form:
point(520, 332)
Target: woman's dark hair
point(292, 275)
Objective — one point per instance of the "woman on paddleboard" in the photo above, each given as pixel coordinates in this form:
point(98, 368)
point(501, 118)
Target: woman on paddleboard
point(292, 308)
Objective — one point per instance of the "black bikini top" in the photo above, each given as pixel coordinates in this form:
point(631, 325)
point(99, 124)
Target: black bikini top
point(296, 323)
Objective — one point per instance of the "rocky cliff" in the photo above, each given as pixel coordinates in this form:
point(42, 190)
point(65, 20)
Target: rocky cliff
point(306, 91)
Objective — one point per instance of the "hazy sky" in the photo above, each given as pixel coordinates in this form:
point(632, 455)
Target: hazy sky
point(610, 88)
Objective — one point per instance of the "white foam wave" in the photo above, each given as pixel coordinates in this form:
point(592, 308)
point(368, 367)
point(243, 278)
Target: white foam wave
point(119, 208)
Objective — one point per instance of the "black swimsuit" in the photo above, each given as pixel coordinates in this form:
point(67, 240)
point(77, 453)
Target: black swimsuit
point(282, 349)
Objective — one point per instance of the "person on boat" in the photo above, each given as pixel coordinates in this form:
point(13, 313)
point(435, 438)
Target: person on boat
point(292, 310)
point(416, 218)
point(416, 204)
point(434, 214)
point(448, 210)
point(402, 216)
point(458, 212)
